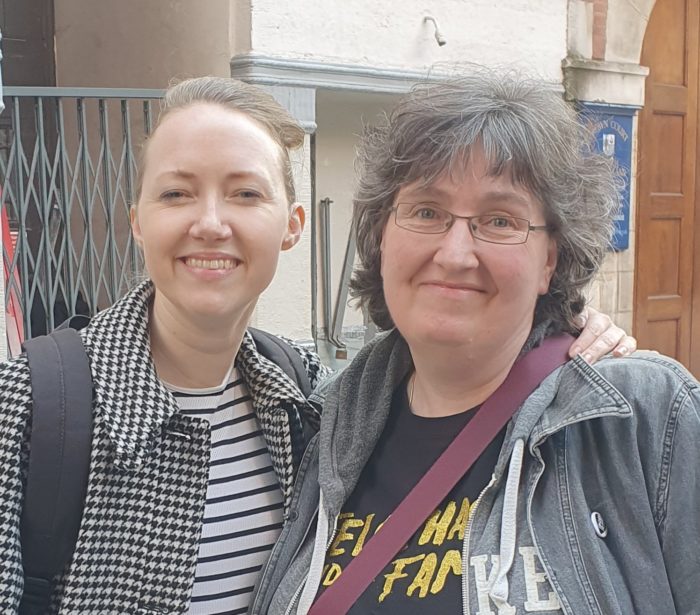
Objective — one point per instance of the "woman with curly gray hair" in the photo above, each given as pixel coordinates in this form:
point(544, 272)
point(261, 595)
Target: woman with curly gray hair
point(481, 215)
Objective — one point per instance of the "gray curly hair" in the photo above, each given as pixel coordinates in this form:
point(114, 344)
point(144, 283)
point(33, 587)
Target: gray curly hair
point(527, 131)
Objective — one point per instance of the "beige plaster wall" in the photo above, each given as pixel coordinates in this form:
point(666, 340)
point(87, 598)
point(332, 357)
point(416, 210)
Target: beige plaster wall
point(144, 44)
point(387, 34)
point(240, 26)
point(285, 307)
point(340, 118)
point(580, 29)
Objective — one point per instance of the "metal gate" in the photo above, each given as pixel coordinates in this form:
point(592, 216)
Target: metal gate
point(68, 175)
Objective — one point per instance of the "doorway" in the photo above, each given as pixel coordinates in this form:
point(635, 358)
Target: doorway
point(667, 282)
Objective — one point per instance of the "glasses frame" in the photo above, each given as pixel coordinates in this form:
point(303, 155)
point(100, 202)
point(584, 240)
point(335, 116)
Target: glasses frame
point(454, 217)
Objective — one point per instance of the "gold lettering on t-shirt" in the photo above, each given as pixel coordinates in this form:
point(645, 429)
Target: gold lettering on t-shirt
point(348, 522)
point(397, 573)
point(458, 527)
point(451, 562)
point(330, 574)
point(436, 526)
point(363, 535)
point(424, 576)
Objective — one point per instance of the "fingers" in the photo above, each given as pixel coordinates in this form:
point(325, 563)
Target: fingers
point(600, 336)
point(627, 345)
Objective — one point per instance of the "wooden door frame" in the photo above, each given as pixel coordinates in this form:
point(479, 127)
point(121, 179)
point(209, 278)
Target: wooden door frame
point(692, 351)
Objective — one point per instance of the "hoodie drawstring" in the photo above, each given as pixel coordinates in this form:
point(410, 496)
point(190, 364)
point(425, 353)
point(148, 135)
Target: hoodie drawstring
point(499, 590)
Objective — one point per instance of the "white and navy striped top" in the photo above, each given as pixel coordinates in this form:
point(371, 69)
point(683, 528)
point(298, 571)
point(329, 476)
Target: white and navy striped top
point(243, 511)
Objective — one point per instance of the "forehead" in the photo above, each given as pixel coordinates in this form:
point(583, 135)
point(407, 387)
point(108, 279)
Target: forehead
point(473, 185)
point(211, 132)
point(452, 190)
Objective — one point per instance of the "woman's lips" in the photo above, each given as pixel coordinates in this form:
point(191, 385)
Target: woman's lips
point(454, 286)
point(210, 268)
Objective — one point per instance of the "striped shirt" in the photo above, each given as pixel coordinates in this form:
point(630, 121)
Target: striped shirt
point(243, 510)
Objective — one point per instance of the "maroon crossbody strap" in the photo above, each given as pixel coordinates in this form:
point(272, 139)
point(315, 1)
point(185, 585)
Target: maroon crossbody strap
point(524, 377)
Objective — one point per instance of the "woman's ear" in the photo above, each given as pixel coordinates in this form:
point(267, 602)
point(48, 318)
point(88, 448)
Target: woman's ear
point(135, 226)
point(550, 266)
point(295, 226)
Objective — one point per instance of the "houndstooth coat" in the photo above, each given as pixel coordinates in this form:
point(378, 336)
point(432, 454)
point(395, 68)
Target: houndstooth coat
point(138, 541)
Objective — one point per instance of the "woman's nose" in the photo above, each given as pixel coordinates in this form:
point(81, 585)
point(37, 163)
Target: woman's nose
point(456, 248)
point(211, 221)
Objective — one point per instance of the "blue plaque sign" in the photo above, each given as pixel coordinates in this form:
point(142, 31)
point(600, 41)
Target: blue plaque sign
point(612, 125)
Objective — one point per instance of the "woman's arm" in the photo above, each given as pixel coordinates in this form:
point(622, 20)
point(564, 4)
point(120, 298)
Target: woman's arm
point(677, 513)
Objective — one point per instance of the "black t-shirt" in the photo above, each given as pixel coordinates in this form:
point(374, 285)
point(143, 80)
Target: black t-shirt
point(425, 577)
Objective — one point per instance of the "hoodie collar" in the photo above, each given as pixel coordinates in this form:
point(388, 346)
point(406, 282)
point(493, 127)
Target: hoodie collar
point(573, 393)
point(355, 410)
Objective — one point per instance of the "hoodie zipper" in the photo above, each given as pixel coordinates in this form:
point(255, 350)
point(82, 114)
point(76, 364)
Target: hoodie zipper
point(295, 596)
point(300, 588)
point(465, 547)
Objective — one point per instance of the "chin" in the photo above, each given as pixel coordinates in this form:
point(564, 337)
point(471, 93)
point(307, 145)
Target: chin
point(215, 313)
point(445, 340)
point(440, 333)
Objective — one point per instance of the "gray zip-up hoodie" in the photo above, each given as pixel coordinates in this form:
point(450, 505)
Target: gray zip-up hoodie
point(593, 508)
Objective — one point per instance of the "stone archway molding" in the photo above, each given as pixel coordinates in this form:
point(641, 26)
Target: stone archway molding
point(604, 43)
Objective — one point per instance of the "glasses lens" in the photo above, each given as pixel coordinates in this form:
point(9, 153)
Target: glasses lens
point(422, 217)
point(500, 229)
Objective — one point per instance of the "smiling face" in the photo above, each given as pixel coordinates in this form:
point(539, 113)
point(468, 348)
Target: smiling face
point(213, 214)
point(452, 290)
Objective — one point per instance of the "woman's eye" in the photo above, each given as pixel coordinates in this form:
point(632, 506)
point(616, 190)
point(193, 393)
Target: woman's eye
point(172, 195)
point(248, 194)
point(426, 213)
point(501, 222)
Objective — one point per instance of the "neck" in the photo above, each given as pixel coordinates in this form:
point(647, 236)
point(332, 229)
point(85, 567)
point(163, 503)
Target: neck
point(449, 381)
point(188, 354)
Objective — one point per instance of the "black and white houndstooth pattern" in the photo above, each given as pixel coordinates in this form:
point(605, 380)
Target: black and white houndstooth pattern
point(138, 542)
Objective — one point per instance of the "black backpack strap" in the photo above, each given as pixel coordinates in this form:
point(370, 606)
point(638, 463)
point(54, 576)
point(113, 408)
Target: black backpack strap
point(59, 461)
point(283, 355)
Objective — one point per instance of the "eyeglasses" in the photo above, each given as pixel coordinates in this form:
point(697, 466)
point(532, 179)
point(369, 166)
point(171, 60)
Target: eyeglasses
point(493, 228)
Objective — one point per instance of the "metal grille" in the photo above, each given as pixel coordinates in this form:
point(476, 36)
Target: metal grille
point(68, 177)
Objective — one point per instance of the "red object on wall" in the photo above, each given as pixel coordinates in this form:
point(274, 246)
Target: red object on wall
point(14, 319)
